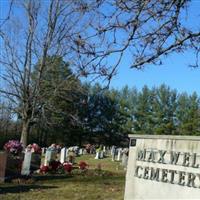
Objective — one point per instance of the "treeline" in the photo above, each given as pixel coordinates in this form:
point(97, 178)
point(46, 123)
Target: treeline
point(108, 116)
point(74, 113)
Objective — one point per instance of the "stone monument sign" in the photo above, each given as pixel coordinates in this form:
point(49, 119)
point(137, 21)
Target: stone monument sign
point(163, 167)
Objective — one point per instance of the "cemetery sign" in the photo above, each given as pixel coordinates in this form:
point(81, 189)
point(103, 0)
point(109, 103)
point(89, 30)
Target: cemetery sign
point(163, 167)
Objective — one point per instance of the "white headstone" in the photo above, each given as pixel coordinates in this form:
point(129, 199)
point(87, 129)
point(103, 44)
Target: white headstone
point(44, 150)
point(63, 155)
point(125, 158)
point(80, 151)
point(101, 154)
point(26, 164)
point(119, 155)
point(49, 156)
point(97, 155)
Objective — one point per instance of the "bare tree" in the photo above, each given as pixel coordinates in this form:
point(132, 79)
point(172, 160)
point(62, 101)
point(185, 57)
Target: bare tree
point(87, 33)
point(35, 30)
point(146, 30)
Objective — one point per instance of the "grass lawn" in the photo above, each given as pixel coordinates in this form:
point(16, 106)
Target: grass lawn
point(105, 184)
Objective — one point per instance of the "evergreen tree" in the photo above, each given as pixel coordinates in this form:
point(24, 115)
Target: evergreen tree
point(188, 115)
point(164, 108)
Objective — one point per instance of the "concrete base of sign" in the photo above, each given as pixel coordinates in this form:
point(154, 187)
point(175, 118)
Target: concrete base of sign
point(163, 167)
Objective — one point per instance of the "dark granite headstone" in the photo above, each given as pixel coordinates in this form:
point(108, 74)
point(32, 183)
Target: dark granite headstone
point(3, 164)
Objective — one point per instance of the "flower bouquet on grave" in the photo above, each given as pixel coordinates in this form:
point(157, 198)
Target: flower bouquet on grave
point(14, 157)
point(36, 151)
point(67, 167)
point(34, 148)
point(44, 169)
point(13, 147)
point(83, 165)
point(55, 165)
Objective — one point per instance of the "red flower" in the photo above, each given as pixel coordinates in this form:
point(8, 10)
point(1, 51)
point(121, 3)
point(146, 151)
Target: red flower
point(83, 165)
point(54, 165)
point(67, 167)
point(44, 169)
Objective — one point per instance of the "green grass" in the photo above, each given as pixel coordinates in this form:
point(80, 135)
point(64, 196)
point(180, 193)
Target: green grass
point(105, 184)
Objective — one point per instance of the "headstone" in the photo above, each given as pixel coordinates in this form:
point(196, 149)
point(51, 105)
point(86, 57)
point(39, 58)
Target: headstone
point(84, 152)
point(31, 163)
point(14, 165)
point(163, 167)
point(49, 156)
point(44, 150)
point(63, 155)
point(35, 161)
point(113, 153)
point(26, 164)
point(3, 164)
point(101, 154)
point(80, 151)
point(119, 155)
point(97, 155)
point(125, 158)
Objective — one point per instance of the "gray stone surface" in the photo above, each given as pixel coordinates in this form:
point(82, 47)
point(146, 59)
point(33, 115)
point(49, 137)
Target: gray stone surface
point(49, 156)
point(26, 164)
point(163, 167)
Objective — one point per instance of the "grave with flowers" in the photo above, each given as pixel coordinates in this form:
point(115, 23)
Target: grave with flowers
point(32, 159)
point(11, 160)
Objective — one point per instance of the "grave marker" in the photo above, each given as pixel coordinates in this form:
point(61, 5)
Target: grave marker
point(63, 155)
point(163, 167)
point(26, 164)
point(3, 164)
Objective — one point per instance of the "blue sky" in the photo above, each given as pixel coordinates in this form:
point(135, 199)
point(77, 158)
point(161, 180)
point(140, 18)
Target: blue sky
point(174, 71)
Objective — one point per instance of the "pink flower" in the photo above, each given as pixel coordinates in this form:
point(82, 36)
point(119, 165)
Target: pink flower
point(13, 146)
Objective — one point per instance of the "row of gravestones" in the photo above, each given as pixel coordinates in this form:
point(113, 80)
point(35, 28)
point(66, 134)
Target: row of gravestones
point(11, 167)
point(120, 154)
point(117, 154)
point(32, 161)
point(49, 155)
point(102, 152)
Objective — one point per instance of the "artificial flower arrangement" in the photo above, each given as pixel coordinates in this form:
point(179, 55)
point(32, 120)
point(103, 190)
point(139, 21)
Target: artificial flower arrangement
point(44, 169)
point(14, 158)
point(67, 167)
point(55, 166)
point(83, 165)
point(34, 148)
point(14, 147)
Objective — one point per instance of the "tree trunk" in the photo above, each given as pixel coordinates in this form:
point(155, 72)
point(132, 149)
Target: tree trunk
point(25, 133)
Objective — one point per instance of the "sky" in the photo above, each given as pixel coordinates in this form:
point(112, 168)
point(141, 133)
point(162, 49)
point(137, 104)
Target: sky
point(174, 72)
